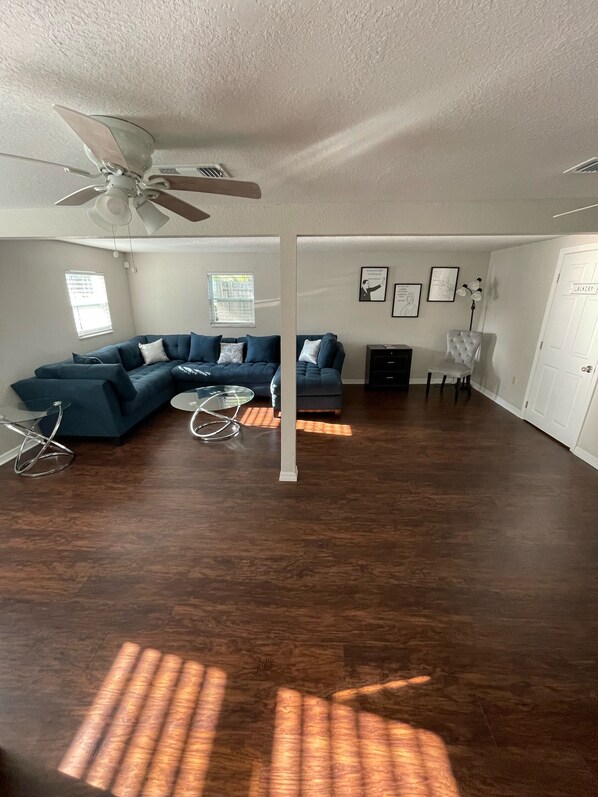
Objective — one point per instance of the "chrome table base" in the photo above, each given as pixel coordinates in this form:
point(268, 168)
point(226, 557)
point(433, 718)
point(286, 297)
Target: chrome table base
point(48, 449)
point(223, 422)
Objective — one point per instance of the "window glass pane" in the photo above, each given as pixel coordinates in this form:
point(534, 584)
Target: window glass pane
point(231, 299)
point(89, 300)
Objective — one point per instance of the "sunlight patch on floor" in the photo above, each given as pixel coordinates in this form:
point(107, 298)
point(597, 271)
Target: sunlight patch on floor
point(151, 728)
point(263, 418)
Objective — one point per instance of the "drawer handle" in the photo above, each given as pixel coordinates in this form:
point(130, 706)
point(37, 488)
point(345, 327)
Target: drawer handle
point(390, 377)
point(390, 362)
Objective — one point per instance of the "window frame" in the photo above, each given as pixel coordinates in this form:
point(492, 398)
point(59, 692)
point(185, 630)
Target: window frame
point(212, 300)
point(91, 333)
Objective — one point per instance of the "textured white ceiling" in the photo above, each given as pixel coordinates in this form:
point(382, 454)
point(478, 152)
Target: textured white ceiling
point(378, 243)
point(318, 100)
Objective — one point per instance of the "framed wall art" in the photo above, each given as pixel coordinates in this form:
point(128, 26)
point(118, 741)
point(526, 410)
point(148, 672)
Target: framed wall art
point(406, 298)
point(372, 283)
point(443, 284)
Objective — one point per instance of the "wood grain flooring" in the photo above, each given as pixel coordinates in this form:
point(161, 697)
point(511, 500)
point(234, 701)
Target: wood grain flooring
point(417, 617)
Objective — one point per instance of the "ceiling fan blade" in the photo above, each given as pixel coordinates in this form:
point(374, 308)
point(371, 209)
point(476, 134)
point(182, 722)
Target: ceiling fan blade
point(177, 205)
point(214, 185)
point(70, 169)
point(81, 196)
point(577, 210)
point(95, 135)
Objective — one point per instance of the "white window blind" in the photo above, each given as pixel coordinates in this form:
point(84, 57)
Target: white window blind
point(89, 300)
point(231, 300)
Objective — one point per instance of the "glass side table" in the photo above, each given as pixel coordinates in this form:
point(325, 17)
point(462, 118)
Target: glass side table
point(211, 401)
point(22, 417)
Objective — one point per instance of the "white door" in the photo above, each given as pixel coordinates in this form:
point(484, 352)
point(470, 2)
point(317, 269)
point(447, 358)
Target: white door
point(564, 376)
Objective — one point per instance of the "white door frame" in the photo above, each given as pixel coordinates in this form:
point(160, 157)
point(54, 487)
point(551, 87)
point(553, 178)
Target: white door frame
point(563, 252)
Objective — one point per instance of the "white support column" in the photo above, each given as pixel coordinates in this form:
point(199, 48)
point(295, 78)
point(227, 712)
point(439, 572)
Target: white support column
point(288, 356)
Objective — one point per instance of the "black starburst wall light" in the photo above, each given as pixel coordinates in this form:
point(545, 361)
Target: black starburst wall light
point(475, 291)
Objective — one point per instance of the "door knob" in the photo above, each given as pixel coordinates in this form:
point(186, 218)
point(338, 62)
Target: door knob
point(588, 369)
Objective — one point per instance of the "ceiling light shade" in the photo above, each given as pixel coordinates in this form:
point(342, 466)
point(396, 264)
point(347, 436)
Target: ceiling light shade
point(474, 286)
point(113, 207)
point(462, 291)
point(476, 296)
point(149, 214)
point(97, 219)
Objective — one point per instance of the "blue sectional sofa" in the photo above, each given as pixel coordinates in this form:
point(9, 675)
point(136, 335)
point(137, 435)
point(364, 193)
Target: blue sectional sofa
point(109, 398)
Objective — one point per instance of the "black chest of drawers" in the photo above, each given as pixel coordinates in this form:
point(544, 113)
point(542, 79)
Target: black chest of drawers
point(388, 366)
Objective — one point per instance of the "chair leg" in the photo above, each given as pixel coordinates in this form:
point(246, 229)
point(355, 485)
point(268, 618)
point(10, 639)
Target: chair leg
point(469, 386)
point(428, 383)
point(457, 389)
point(443, 381)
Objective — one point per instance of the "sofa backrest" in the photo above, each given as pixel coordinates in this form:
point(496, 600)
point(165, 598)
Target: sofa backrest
point(176, 346)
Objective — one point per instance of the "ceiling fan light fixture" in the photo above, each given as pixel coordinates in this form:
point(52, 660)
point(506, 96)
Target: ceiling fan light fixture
point(113, 207)
point(149, 214)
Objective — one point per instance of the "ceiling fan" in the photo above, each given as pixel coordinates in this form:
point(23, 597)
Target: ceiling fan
point(122, 155)
point(589, 166)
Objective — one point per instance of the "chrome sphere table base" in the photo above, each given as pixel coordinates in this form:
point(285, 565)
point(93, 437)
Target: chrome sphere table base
point(48, 447)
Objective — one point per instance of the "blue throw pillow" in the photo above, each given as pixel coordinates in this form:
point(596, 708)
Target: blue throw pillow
point(263, 349)
point(327, 351)
point(204, 348)
point(86, 359)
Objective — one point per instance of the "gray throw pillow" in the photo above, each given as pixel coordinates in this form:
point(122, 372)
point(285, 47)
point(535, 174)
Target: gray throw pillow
point(230, 353)
point(310, 351)
point(153, 352)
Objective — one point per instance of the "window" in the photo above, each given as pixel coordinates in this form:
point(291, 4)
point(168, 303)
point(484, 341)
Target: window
point(231, 300)
point(87, 292)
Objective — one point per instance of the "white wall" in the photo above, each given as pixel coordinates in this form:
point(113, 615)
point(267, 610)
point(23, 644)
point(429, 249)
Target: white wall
point(36, 321)
point(328, 301)
point(519, 281)
point(169, 292)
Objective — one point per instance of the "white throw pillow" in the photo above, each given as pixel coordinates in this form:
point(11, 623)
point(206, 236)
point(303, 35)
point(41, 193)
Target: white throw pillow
point(153, 352)
point(231, 353)
point(310, 351)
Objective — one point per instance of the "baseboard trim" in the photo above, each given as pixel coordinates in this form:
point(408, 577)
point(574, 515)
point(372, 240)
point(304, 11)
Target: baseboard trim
point(12, 453)
point(420, 380)
point(498, 400)
point(582, 454)
point(289, 475)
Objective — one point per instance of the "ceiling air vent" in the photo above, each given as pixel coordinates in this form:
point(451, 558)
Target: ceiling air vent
point(205, 169)
point(587, 167)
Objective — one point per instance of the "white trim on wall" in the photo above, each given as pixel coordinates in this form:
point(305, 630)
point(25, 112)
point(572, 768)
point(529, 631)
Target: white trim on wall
point(582, 454)
point(12, 453)
point(517, 411)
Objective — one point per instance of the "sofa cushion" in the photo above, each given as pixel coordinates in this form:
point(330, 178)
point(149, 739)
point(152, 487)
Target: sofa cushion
point(229, 374)
point(115, 374)
point(129, 352)
point(231, 353)
point(263, 349)
point(204, 348)
point(107, 354)
point(313, 381)
point(327, 351)
point(175, 346)
point(310, 351)
point(302, 338)
point(148, 380)
point(153, 352)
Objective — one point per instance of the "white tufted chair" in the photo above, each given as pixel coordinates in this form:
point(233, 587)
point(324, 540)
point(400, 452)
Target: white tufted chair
point(462, 345)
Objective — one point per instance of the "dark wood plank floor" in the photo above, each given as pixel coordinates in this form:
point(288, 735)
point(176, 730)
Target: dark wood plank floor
point(418, 616)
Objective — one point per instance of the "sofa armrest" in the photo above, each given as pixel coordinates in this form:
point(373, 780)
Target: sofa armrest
point(115, 374)
point(94, 408)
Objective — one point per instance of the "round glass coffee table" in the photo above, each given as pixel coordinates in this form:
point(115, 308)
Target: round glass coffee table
point(212, 401)
point(22, 418)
